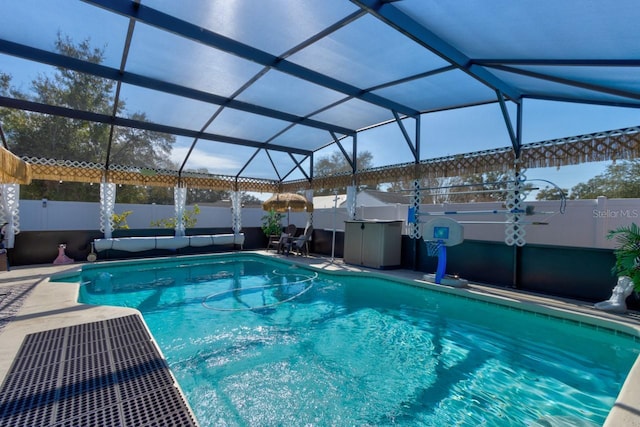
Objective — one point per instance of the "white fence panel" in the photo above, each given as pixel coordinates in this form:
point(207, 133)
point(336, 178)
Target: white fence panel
point(585, 223)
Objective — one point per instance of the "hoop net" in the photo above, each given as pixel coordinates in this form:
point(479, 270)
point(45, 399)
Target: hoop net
point(433, 247)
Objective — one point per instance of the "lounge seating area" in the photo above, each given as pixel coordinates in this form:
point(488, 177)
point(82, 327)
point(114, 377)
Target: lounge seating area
point(288, 241)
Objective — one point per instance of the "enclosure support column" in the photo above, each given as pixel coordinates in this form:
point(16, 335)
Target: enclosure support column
point(333, 238)
point(107, 205)
point(179, 201)
point(416, 199)
point(351, 202)
point(236, 212)
point(10, 213)
point(514, 230)
point(308, 194)
point(414, 226)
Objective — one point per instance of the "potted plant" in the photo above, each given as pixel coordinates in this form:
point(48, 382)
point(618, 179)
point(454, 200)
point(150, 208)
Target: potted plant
point(272, 223)
point(627, 253)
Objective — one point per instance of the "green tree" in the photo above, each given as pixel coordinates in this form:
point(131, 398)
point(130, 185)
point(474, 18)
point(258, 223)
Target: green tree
point(485, 187)
point(551, 193)
point(5, 80)
point(250, 200)
point(481, 187)
point(335, 164)
point(47, 136)
point(203, 195)
point(159, 195)
point(432, 190)
point(620, 180)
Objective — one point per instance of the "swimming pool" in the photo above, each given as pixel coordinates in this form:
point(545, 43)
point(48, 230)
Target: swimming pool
point(254, 341)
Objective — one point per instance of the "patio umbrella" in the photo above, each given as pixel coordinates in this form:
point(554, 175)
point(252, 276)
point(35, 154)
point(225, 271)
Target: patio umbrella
point(287, 202)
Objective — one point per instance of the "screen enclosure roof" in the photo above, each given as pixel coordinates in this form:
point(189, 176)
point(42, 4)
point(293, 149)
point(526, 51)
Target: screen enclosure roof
point(261, 86)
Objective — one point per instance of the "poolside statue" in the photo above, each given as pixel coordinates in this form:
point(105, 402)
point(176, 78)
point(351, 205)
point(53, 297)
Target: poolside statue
point(62, 257)
point(616, 303)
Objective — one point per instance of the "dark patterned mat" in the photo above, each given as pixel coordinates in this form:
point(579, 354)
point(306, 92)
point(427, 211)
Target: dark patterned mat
point(106, 373)
point(11, 299)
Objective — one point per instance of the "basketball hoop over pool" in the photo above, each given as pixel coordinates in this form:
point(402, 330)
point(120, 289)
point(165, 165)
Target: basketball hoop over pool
point(439, 233)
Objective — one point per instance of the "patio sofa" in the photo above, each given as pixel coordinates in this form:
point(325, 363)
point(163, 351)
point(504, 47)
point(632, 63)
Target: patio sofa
point(139, 244)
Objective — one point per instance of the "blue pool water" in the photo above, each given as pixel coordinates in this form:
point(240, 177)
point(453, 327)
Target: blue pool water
point(258, 342)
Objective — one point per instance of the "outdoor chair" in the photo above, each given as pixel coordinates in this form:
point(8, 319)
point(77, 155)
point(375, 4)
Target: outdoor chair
point(274, 241)
point(301, 243)
point(286, 237)
point(280, 242)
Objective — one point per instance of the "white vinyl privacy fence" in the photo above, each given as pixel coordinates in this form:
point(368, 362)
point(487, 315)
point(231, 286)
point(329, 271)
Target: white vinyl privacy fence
point(584, 223)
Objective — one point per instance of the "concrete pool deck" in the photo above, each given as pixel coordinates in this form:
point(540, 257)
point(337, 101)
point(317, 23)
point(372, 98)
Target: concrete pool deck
point(30, 303)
